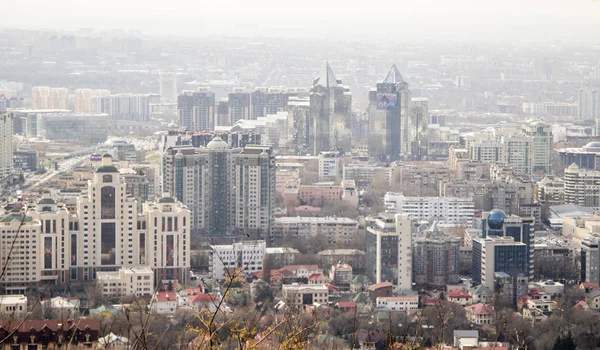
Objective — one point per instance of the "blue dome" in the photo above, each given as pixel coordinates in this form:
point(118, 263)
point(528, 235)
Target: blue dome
point(496, 219)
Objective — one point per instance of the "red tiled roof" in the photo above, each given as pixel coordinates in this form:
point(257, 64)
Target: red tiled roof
point(165, 296)
point(431, 301)
point(347, 304)
point(537, 292)
point(590, 285)
point(316, 276)
point(581, 304)
point(459, 294)
point(480, 309)
point(376, 286)
point(204, 298)
point(53, 325)
point(332, 287)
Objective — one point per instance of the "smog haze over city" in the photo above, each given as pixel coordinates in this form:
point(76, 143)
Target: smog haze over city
point(460, 20)
point(265, 174)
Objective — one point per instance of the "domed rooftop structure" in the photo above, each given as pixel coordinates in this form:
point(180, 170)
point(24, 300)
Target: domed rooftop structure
point(166, 200)
point(496, 218)
point(217, 144)
point(593, 146)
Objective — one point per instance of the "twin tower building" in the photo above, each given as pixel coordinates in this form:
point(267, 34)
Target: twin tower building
point(323, 118)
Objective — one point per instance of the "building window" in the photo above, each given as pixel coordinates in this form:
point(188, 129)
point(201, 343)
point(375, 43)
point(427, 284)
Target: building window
point(107, 202)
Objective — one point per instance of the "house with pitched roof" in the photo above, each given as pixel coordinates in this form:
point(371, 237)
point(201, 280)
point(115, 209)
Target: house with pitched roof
point(480, 314)
point(460, 296)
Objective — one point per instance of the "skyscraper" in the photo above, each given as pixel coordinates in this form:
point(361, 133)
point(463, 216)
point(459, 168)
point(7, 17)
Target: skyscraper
point(196, 109)
point(6, 147)
point(588, 104)
point(44, 97)
point(389, 135)
point(389, 249)
point(330, 125)
point(257, 103)
point(168, 87)
point(418, 122)
point(239, 105)
point(230, 191)
point(541, 133)
point(86, 100)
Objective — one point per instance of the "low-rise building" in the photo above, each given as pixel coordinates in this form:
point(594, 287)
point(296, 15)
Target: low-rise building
point(298, 295)
point(364, 174)
point(334, 229)
point(281, 256)
point(550, 287)
point(301, 271)
point(460, 297)
point(52, 334)
point(352, 257)
point(341, 274)
point(480, 314)
point(13, 304)
point(593, 299)
point(401, 303)
point(318, 278)
point(247, 256)
point(383, 289)
point(164, 303)
point(136, 280)
point(62, 308)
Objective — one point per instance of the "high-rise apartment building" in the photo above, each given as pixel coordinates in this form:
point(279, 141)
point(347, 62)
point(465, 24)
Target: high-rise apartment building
point(167, 87)
point(258, 103)
point(329, 166)
point(582, 186)
point(105, 233)
point(330, 114)
point(516, 150)
point(222, 117)
point(588, 104)
point(494, 254)
point(590, 261)
point(6, 147)
point(390, 134)
point(87, 100)
point(447, 210)
point(111, 234)
point(541, 133)
point(134, 107)
point(229, 191)
point(197, 109)
point(265, 101)
point(389, 249)
point(45, 97)
point(239, 105)
point(435, 259)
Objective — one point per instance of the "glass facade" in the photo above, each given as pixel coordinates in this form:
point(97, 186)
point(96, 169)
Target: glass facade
point(108, 244)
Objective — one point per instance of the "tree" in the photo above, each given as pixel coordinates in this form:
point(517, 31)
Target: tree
point(564, 343)
point(261, 291)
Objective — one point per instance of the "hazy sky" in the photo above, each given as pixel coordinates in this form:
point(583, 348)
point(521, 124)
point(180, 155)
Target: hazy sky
point(462, 19)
